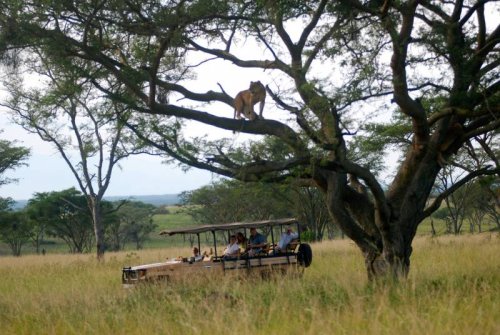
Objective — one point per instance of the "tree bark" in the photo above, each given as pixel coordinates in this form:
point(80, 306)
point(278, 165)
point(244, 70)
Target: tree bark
point(95, 209)
point(386, 244)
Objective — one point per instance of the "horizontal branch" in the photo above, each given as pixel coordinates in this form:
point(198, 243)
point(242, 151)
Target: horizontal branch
point(204, 97)
point(258, 126)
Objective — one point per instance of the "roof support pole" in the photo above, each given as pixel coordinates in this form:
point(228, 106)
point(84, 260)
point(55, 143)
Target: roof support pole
point(199, 245)
point(215, 242)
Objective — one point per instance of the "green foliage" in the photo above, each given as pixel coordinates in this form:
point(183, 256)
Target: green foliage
point(232, 201)
point(65, 215)
point(6, 204)
point(133, 223)
point(369, 148)
point(15, 230)
point(11, 157)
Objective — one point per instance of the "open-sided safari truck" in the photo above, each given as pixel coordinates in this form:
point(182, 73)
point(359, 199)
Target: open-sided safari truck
point(292, 259)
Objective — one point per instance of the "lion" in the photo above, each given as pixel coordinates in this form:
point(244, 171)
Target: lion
point(245, 100)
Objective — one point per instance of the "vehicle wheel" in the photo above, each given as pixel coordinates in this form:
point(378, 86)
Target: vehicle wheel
point(304, 256)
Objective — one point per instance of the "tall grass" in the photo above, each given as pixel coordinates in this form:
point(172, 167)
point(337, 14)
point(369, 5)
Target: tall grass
point(453, 288)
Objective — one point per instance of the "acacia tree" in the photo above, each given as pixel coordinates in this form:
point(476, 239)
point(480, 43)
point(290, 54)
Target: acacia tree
point(65, 215)
point(68, 112)
point(433, 63)
point(14, 229)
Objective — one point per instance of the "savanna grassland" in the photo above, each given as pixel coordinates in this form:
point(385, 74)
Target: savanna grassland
point(453, 288)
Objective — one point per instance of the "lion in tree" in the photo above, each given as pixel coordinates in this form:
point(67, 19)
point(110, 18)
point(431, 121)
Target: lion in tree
point(245, 100)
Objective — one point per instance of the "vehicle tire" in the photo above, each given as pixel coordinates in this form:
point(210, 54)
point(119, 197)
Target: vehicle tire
point(304, 256)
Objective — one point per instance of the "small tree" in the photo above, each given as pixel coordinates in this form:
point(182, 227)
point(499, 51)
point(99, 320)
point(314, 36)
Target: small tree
point(15, 229)
point(310, 208)
point(133, 223)
point(66, 216)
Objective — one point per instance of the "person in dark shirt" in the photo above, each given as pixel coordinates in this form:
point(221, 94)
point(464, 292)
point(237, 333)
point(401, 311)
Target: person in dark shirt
point(256, 242)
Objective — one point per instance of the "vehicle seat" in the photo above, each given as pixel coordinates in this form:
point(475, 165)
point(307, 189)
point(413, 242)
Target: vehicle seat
point(292, 245)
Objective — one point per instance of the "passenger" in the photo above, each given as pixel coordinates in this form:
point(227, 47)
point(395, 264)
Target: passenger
point(196, 254)
point(233, 249)
point(256, 242)
point(285, 239)
point(208, 256)
point(242, 241)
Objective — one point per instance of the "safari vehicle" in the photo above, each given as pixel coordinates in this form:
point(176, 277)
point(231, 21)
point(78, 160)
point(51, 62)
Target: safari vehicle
point(294, 259)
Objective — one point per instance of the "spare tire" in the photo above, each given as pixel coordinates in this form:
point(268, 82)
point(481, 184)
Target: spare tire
point(304, 255)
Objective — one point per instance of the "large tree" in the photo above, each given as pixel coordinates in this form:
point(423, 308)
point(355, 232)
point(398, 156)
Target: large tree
point(334, 65)
point(64, 109)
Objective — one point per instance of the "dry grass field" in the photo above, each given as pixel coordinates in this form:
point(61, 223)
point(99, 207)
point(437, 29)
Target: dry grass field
point(453, 288)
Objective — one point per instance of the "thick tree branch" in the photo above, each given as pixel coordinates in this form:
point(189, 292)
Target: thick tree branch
point(400, 42)
point(312, 24)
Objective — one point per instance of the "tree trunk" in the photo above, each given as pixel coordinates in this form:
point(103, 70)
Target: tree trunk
point(385, 241)
point(95, 208)
point(392, 263)
point(433, 229)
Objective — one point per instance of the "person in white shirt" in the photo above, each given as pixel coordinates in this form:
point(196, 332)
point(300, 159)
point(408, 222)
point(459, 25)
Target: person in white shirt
point(285, 239)
point(233, 249)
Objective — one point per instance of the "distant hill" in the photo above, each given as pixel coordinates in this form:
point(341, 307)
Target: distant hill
point(156, 200)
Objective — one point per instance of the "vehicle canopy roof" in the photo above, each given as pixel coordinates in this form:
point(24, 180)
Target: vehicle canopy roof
point(230, 226)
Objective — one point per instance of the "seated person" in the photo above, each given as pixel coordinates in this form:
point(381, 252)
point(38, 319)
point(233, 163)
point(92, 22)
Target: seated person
point(256, 242)
point(242, 241)
point(208, 256)
point(233, 249)
point(285, 239)
point(196, 255)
